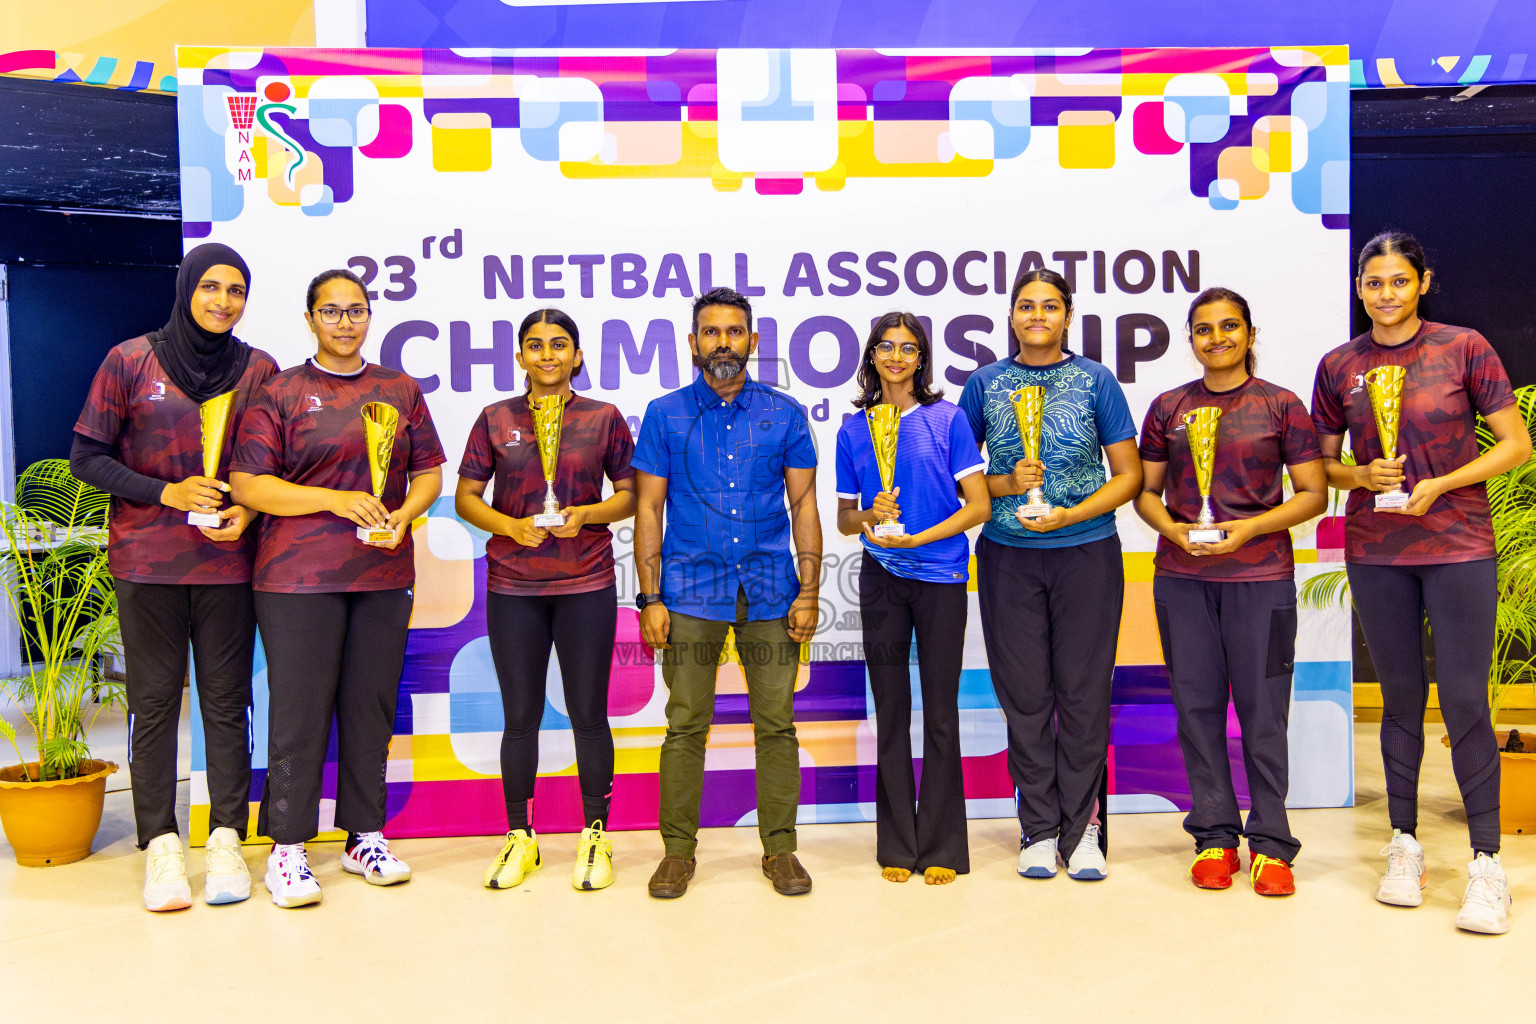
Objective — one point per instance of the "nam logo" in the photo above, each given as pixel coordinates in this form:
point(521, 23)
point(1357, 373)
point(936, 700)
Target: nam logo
point(242, 117)
point(246, 111)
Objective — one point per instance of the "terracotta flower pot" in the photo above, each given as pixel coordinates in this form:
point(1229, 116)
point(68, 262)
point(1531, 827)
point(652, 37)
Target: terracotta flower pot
point(49, 823)
point(1517, 787)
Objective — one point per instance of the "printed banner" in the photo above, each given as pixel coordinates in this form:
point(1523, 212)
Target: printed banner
point(469, 189)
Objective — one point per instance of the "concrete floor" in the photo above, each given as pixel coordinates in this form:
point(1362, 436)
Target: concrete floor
point(75, 942)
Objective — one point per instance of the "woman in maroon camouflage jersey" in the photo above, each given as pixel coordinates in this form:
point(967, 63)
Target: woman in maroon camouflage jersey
point(1226, 610)
point(139, 438)
point(1433, 555)
point(550, 587)
point(334, 609)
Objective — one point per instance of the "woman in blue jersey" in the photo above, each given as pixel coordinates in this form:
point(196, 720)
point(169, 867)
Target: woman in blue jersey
point(1050, 587)
point(914, 580)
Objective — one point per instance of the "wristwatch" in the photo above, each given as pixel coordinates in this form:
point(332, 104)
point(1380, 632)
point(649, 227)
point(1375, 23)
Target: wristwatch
point(641, 600)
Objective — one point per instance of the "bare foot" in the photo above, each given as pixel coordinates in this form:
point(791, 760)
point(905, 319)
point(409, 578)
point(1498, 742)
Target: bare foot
point(939, 876)
point(895, 874)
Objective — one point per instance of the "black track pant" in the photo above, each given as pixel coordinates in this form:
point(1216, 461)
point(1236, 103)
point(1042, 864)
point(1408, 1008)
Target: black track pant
point(328, 654)
point(580, 628)
point(1460, 599)
point(1051, 618)
point(1234, 640)
point(157, 621)
point(915, 828)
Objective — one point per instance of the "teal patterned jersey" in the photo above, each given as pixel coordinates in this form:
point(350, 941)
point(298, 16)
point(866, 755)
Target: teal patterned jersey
point(1085, 411)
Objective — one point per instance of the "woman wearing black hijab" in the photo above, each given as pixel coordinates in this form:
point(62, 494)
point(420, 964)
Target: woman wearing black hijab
point(139, 438)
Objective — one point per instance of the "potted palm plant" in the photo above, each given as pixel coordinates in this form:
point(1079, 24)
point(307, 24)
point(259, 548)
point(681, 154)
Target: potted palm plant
point(54, 571)
point(1512, 499)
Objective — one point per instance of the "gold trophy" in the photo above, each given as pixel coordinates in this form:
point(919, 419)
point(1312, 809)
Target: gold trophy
point(1385, 386)
point(548, 414)
point(1029, 410)
point(1200, 426)
point(214, 415)
point(884, 422)
point(379, 420)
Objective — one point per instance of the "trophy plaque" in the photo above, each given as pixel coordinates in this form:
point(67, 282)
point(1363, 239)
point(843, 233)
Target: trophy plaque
point(214, 417)
point(1029, 410)
point(884, 422)
point(548, 413)
point(1200, 426)
point(1385, 386)
point(379, 420)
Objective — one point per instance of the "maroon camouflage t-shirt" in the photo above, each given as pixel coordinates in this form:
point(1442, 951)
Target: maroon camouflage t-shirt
point(134, 404)
point(306, 426)
point(594, 442)
point(1452, 374)
point(1263, 428)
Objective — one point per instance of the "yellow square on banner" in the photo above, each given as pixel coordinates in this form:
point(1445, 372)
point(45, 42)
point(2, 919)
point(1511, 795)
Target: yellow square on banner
point(461, 142)
point(1086, 139)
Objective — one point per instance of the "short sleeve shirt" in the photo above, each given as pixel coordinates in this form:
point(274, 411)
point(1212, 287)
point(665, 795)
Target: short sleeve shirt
point(134, 404)
point(502, 448)
point(1263, 428)
point(1085, 411)
point(934, 450)
point(727, 513)
point(306, 427)
point(1452, 375)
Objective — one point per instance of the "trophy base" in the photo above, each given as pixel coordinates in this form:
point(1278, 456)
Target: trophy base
point(546, 520)
point(378, 536)
point(1206, 536)
point(888, 530)
point(1035, 510)
point(1391, 501)
point(207, 520)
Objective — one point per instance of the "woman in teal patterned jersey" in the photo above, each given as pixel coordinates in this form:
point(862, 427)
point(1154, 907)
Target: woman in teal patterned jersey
point(1050, 582)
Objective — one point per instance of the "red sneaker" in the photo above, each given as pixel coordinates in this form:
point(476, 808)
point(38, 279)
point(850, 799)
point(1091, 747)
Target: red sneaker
point(1214, 868)
point(1271, 876)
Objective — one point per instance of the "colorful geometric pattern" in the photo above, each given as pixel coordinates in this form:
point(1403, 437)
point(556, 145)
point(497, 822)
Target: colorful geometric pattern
point(783, 120)
point(109, 72)
point(781, 128)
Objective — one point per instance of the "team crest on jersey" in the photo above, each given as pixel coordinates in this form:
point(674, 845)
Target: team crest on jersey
point(157, 391)
point(312, 403)
point(514, 438)
point(1359, 384)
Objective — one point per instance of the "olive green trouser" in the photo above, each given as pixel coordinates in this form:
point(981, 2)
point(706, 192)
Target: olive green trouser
point(770, 660)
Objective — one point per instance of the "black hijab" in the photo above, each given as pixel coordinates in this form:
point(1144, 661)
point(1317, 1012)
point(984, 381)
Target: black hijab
point(202, 363)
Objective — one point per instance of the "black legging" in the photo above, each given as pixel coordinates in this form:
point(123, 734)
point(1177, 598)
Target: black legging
point(1461, 599)
point(580, 627)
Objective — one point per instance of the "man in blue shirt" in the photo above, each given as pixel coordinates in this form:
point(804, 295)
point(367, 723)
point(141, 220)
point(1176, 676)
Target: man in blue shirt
point(722, 456)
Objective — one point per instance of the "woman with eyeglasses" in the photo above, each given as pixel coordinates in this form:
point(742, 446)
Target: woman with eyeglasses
point(1049, 580)
point(912, 581)
point(550, 587)
point(139, 438)
point(333, 609)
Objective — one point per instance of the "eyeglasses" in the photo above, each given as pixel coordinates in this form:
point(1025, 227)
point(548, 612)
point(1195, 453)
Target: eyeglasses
point(886, 349)
point(332, 315)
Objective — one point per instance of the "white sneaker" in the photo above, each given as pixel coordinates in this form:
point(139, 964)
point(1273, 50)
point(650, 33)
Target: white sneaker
point(1087, 861)
point(288, 878)
point(165, 875)
point(371, 859)
point(226, 879)
point(1485, 906)
point(1038, 860)
point(1403, 884)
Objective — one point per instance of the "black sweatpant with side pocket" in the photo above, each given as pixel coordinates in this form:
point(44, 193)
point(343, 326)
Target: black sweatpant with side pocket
point(1232, 640)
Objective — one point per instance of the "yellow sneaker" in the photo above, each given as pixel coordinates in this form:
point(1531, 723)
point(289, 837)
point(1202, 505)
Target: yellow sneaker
point(594, 859)
point(518, 857)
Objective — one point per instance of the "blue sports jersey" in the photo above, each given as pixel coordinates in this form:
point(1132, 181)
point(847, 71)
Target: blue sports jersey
point(1085, 411)
point(934, 450)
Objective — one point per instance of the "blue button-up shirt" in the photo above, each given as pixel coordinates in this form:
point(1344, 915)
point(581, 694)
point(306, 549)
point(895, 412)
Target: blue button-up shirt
point(727, 519)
